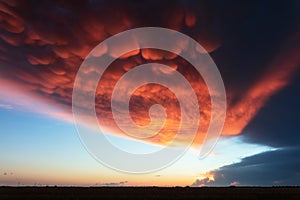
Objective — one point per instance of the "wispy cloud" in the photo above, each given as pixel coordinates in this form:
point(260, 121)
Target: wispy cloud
point(6, 106)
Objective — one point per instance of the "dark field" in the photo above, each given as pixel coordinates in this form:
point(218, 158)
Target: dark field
point(149, 193)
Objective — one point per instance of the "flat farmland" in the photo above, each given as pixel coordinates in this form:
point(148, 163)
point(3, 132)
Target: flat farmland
point(149, 193)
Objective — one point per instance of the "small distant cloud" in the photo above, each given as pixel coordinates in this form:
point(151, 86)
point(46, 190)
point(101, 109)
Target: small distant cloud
point(7, 173)
point(113, 184)
point(6, 106)
point(234, 183)
point(277, 182)
point(206, 179)
point(200, 182)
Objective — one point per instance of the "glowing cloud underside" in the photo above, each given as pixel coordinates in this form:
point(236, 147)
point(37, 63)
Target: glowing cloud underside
point(41, 65)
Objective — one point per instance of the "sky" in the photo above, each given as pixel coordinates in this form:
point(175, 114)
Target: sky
point(254, 44)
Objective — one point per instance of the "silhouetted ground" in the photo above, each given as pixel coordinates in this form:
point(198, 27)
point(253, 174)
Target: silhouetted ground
point(149, 193)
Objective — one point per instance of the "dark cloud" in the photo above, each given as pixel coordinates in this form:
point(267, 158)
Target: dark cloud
point(277, 124)
point(252, 38)
point(274, 168)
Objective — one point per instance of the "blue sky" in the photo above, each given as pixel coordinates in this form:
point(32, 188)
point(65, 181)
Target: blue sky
point(37, 149)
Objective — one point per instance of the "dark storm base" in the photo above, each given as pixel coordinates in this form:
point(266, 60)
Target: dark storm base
point(149, 193)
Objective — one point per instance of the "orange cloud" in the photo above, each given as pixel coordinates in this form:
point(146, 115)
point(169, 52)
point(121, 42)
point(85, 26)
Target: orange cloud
point(155, 54)
point(43, 64)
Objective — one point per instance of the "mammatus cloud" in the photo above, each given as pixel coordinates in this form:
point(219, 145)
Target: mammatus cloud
point(41, 51)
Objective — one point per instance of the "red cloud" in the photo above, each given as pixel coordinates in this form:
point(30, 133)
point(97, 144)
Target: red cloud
point(42, 59)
